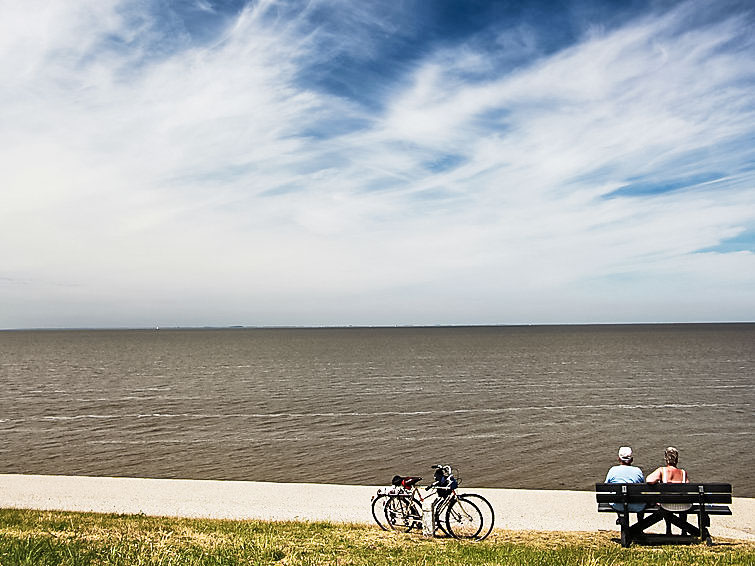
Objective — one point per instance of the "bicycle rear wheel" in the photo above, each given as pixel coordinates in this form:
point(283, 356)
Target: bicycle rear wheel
point(403, 513)
point(378, 511)
point(488, 515)
point(464, 519)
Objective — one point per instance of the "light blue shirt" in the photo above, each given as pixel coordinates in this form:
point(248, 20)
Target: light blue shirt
point(626, 474)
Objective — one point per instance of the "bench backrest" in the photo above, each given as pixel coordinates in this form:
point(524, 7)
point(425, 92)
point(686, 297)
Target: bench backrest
point(663, 492)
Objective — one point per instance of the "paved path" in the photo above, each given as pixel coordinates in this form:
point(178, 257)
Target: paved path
point(516, 509)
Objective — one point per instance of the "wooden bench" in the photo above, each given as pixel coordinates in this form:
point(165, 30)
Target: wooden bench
point(706, 499)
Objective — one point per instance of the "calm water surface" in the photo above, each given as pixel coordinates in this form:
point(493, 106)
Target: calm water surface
point(524, 407)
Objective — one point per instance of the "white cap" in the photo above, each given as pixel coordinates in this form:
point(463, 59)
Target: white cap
point(625, 453)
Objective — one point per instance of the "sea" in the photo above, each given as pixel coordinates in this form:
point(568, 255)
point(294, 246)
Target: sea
point(534, 407)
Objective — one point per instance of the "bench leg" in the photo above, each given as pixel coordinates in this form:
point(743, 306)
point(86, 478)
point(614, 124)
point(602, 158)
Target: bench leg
point(703, 522)
point(626, 538)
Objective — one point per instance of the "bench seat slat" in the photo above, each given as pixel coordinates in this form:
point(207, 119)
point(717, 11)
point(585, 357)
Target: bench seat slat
point(666, 487)
point(656, 497)
point(709, 509)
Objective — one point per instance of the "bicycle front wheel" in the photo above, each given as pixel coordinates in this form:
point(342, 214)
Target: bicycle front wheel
point(440, 517)
point(464, 519)
point(488, 515)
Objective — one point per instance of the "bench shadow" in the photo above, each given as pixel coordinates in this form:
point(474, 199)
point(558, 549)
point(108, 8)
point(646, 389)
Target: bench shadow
point(661, 540)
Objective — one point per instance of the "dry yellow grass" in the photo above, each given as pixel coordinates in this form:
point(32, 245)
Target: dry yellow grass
point(30, 537)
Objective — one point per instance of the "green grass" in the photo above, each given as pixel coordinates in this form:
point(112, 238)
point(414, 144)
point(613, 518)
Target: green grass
point(42, 538)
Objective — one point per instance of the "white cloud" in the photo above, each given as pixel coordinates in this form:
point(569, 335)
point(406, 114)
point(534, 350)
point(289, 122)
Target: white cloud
point(145, 179)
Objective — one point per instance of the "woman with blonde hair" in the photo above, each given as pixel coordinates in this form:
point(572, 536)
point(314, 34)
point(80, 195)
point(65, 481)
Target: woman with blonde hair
point(670, 473)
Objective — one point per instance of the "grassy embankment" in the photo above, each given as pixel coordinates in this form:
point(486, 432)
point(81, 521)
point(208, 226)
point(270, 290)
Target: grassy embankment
point(43, 538)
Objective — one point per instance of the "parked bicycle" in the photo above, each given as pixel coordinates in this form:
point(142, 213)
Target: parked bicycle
point(459, 515)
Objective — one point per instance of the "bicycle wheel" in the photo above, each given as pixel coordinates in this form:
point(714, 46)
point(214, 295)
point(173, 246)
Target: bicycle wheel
point(378, 510)
point(488, 515)
point(402, 513)
point(463, 519)
point(440, 521)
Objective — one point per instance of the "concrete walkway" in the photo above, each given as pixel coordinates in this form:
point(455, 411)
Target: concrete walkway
point(516, 509)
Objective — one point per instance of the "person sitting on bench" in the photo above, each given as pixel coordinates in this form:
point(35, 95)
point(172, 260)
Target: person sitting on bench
point(671, 474)
point(625, 472)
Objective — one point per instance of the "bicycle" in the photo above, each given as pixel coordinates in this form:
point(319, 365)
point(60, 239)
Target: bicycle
point(466, 515)
point(397, 505)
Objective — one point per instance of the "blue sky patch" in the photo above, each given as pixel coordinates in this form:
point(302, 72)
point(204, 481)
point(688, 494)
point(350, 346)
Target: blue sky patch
point(661, 186)
point(444, 163)
point(744, 242)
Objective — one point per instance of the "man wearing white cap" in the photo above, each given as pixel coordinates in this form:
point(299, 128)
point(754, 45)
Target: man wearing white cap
point(625, 472)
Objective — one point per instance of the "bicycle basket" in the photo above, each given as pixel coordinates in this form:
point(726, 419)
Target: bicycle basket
point(455, 474)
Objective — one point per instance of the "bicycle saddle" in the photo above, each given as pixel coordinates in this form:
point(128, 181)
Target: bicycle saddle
point(405, 481)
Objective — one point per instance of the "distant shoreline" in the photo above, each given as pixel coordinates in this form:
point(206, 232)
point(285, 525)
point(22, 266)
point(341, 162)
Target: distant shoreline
point(383, 326)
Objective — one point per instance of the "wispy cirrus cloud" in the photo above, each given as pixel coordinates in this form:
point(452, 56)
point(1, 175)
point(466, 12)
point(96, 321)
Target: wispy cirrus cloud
point(293, 168)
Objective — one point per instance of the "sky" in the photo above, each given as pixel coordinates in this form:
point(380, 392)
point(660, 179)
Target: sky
point(398, 162)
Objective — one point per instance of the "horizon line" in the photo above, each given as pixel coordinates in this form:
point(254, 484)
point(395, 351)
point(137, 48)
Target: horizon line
point(366, 326)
